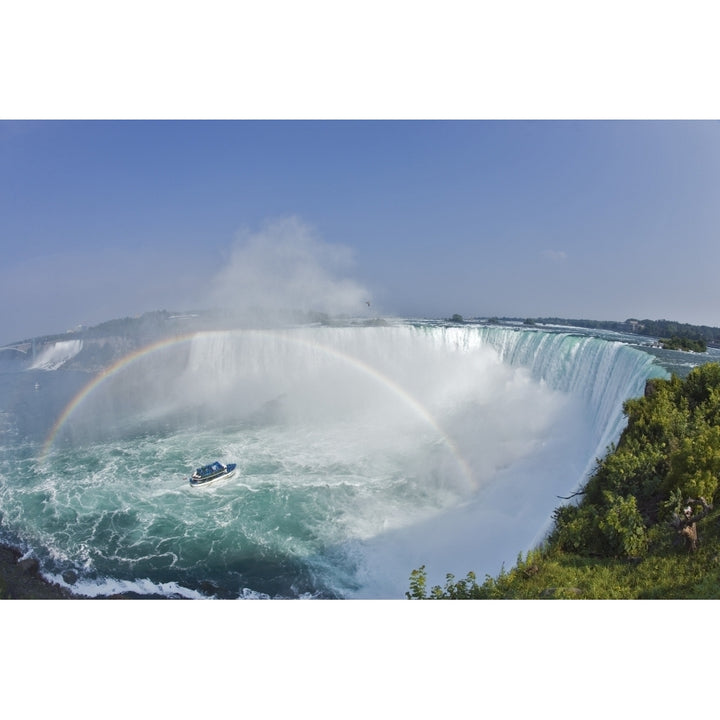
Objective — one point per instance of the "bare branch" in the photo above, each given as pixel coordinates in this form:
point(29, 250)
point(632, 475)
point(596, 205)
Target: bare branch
point(685, 524)
point(687, 519)
point(571, 496)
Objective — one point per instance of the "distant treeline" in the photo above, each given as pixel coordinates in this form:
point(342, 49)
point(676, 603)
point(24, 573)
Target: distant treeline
point(653, 328)
point(146, 324)
point(158, 324)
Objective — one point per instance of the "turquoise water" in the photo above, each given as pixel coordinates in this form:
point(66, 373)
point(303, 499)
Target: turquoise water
point(362, 453)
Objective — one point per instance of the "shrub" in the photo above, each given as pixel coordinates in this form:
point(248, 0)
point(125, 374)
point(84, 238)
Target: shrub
point(575, 529)
point(623, 527)
point(694, 468)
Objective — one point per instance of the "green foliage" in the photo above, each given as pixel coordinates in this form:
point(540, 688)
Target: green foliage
point(664, 572)
point(668, 453)
point(702, 385)
point(465, 589)
point(622, 527)
point(652, 328)
point(575, 528)
point(612, 528)
point(669, 450)
point(694, 468)
point(674, 503)
point(418, 584)
point(684, 343)
point(659, 418)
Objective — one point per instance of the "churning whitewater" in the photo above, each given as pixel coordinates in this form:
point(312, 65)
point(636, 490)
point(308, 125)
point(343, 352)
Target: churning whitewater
point(362, 453)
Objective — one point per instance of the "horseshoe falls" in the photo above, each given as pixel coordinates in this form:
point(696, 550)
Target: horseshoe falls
point(362, 453)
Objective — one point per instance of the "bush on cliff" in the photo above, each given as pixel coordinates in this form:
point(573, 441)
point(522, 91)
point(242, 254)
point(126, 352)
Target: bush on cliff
point(630, 512)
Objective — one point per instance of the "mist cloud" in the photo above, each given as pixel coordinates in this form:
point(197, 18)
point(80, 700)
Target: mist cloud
point(285, 268)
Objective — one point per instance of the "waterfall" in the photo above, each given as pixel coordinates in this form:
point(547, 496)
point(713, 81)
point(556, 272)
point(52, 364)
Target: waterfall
point(429, 364)
point(601, 372)
point(55, 355)
point(362, 453)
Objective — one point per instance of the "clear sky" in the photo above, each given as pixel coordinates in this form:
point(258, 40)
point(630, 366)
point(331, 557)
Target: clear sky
point(592, 219)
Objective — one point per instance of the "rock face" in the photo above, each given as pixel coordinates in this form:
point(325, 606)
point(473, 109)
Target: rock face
point(21, 580)
point(650, 387)
point(29, 565)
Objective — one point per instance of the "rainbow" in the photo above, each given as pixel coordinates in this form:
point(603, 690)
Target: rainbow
point(117, 367)
point(101, 377)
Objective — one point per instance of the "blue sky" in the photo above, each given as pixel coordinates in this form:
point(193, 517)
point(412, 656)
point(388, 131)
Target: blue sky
point(596, 219)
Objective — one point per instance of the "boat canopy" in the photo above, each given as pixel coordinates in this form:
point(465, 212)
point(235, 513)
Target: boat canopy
point(206, 470)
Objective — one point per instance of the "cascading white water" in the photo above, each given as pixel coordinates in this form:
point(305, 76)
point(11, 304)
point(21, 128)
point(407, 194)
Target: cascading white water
point(56, 355)
point(602, 373)
point(363, 452)
point(589, 378)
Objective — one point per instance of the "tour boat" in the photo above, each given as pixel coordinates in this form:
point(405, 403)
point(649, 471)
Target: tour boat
point(210, 473)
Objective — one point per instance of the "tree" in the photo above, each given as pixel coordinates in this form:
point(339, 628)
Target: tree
point(465, 589)
point(695, 467)
point(623, 527)
point(685, 523)
point(418, 584)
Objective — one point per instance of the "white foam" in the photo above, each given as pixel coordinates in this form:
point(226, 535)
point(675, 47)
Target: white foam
point(56, 355)
point(105, 587)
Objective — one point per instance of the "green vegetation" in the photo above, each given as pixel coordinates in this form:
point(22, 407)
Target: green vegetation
point(652, 328)
point(683, 343)
point(644, 526)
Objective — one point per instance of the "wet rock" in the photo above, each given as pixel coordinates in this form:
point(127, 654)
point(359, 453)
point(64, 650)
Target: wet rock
point(70, 577)
point(29, 565)
point(20, 579)
point(208, 588)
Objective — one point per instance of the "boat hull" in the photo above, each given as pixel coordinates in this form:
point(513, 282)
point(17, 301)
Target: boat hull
point(228, 472)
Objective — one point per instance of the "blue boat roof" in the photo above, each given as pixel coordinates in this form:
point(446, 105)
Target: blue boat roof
point(207, 469)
